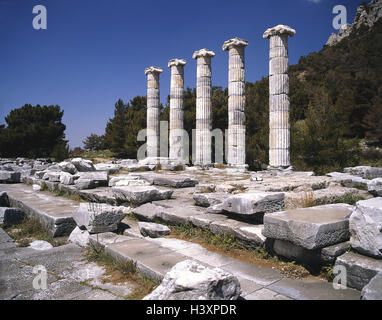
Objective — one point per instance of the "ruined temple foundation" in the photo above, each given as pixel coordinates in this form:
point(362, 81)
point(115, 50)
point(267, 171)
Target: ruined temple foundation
point(178, 144)
point(236, 102)
point(153, 111)
point(203, 108)
point(279, 127)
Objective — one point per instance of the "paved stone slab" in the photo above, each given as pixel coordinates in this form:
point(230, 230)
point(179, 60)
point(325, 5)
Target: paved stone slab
point(265, 294)
point(312, 289)
point(259, 275)
point(360, 269)
point(55, 213)
point(310, 228)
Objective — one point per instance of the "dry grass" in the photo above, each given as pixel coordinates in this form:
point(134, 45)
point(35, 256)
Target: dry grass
point(29, 230)
point(227, 244)
point(121, 272)
point(307, 199)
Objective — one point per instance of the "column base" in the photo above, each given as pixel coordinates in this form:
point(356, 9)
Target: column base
point(283, 169)
point(238, 167)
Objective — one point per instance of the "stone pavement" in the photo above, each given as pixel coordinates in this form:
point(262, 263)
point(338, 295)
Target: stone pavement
point(69, 275)
point(154, 257)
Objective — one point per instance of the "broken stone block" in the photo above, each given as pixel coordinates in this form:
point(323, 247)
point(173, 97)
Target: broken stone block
point(375, 187)
point(4, 201)
point(209, 199)
point(11, 216)
point(126, 177)
point(153, 230)
point(40, 245)
point(172, 181)
point(52, 176)
point(359, 269)
point(66, 178)
point(10, 177)
point(348, 180)
point(83, 165)
point(189, 280)
point(310, 228)
point(79, 237)
point(366, 226)
point(293, 252)
point(373, 290)
point(254, 203)
point(140, 194)
point(330, 254)
point(365, 172)
point(98, 218)
point(148, 212)
point(111, 168)
point(67, 167)
point(91, 180)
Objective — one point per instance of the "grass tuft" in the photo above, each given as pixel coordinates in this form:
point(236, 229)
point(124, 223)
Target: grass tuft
point(142, 285)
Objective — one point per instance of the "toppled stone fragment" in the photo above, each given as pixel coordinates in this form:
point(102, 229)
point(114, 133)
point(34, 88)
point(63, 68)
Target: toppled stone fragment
point(153, 230)
point(375, 187)
point(366, 227)
point(79, 237)
point(148, 212)
point(83, 165)
point(209, 199)
point(40, 245)
point(140, 194)
point(254, 203)
point(4, 201)
point(373, 290)
point(10, 177)
point(189, 280)
point(98, 218)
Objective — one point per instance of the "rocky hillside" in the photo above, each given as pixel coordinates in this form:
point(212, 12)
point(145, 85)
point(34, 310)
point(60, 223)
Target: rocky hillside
point(367, 15)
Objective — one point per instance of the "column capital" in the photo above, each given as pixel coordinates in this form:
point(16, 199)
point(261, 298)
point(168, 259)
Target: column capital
point(176, 62)
point(278, 31)
point(235, 42)
point(203, 53)
point(153, 70)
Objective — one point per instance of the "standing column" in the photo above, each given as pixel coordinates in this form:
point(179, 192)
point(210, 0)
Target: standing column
point(176, 109)
point(203, 107)
point(153, 112)
point(236, 101)
point(279, 127)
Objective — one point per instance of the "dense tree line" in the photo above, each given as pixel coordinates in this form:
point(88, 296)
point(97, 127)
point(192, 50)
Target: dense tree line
point(33, 132)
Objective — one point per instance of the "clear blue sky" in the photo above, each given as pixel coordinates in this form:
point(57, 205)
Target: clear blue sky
point(95, 51)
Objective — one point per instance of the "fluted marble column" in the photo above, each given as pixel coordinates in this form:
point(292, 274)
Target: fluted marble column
point(176, 109)
point(153, 111)
point(279, 127)
point(203, 107)
point(236, 101)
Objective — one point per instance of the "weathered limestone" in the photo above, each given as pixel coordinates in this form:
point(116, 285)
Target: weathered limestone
point(98, 218)
point(279, 127)
point(79, 237)
point(203, 107)
point(236, 101)
point(189, 280)
point(153, 111)
point(140, 194)
point(310, 228)
point(4, 201)
point(365, 228)
point(373, 290)
point(375, 187)
point(10, 177)
point(40, 245)
point(359, 269)
point(254, 203)
point(83, 165)
point(11, 216)
point(153, 230)
point(177, 146)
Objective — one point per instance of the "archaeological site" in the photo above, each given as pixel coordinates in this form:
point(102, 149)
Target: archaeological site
point(192, 216)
